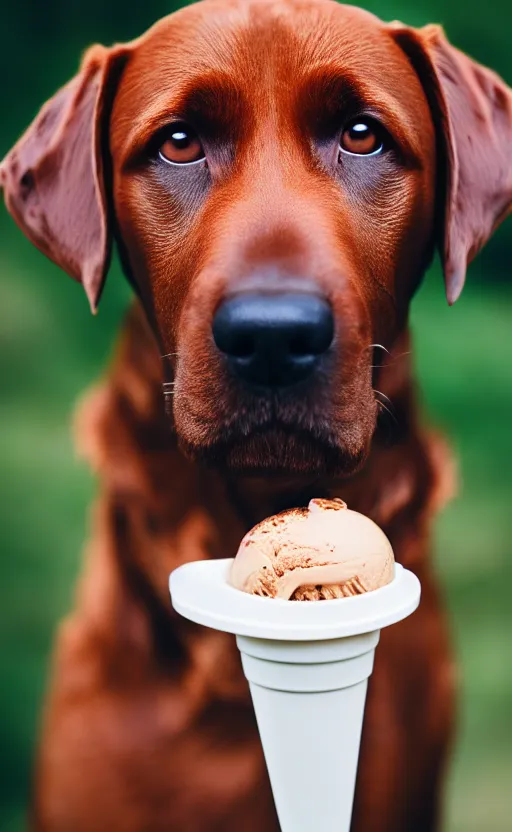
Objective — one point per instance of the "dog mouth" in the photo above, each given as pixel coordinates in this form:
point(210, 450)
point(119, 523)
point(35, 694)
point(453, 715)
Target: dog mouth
point(308, 430)
point(276, 449)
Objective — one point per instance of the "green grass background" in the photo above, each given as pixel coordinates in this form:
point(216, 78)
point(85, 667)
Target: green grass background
point(51, 349)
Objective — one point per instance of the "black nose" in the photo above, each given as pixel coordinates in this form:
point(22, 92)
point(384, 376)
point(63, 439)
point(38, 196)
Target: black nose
point(273, 340)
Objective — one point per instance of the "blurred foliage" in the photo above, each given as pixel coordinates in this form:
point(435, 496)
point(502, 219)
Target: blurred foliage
point(51, 349)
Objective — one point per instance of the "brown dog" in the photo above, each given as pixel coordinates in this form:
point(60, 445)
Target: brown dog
point(276, 176)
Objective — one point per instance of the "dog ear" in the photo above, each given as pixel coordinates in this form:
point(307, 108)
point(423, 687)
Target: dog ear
point(53, 178)
point(472, 110)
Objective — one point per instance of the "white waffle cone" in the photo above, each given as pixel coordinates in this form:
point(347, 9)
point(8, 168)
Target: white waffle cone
point(308, 665)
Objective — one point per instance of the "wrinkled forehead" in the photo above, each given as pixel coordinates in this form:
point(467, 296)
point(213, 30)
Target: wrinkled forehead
point(264, 53)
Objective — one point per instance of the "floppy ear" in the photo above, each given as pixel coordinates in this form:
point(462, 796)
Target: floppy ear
point(53, 178)
point(472, 111)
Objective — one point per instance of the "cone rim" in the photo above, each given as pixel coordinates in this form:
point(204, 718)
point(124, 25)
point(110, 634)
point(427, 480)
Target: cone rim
point(200, 592)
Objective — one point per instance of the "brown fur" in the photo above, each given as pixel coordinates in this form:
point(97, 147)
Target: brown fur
point(149, 725)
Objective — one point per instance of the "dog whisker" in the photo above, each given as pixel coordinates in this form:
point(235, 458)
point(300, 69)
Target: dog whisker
point(394, 358)
point(168, 388)
point(384, 406)
point(169, 355)
point(378, 346)
point(379, 393)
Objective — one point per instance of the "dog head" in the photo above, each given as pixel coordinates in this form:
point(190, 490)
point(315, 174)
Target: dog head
point(277, 176)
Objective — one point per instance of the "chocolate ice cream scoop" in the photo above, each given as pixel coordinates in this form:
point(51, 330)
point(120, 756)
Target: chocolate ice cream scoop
point(316, 553)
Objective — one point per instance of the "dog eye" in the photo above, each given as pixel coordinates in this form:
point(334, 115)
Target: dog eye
point(362, 137)
point(181, 145)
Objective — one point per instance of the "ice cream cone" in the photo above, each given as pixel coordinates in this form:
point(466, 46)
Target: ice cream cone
point(308, 665)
